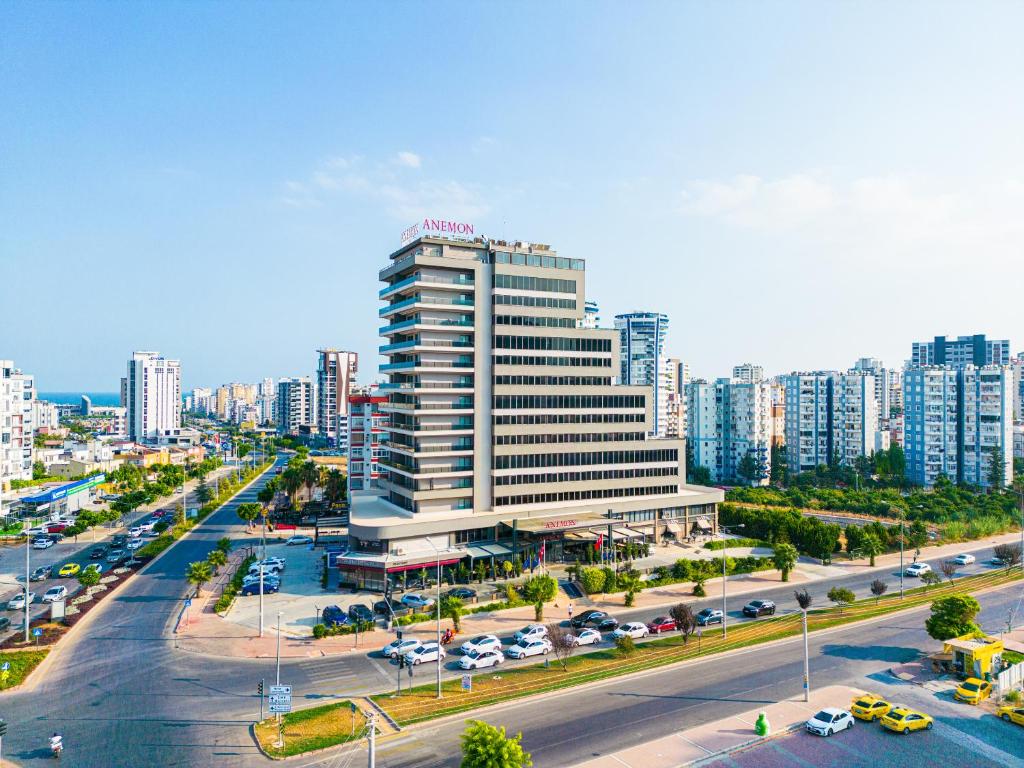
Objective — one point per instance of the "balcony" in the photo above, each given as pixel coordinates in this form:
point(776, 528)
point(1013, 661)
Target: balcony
point(430, 343)
point(407, 386)
point(410, 364)
point(456, 281)
point(458, 301)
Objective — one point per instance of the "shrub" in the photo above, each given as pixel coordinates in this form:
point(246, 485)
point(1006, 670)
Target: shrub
point(592, 580)
point(321, 631)
point(681, 570)
point(729, 543)
point(610, 580)
point(511, 595)
point(1013, 697)
point(625, 645)
point(698, 589)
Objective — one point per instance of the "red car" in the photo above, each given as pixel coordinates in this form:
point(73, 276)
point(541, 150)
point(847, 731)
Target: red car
point(56, 527)
point(661, 624)
point(160, 513)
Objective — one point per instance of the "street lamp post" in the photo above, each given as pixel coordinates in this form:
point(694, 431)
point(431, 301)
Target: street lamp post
point(902, 518)
point(725, 613)
point(437, 605)
point(28, 549)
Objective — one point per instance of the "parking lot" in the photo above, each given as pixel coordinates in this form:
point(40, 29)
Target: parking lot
point(963, 735)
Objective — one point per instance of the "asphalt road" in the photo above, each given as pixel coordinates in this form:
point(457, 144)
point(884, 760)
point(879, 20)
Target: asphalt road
point(123, 695)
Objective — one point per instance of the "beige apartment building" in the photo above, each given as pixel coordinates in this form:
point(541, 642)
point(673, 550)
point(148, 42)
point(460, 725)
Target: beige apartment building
point(508, 435)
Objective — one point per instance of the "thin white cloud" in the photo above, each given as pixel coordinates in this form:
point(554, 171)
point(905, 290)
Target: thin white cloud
point(408, 159)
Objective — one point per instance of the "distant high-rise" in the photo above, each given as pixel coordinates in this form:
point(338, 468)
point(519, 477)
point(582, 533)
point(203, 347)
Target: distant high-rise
point(642, 360)
point(154, 396)
point(335, 375)
point(295, 405)
point(17, 451)
point(883, 382)
point(747, 373)
point(86, 405)
point(591, 316)
point(729, 429)
point(964, 350)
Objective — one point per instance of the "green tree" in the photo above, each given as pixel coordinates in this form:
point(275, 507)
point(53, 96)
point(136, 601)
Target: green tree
point(335, 487)
point(878, 588)
point(507, 567)
point(871, 546)
point(930, 579)
point(996, 474)
point(203, 492)
point(485, 746)
point(309, 472)
point(780, 472)
point(217, 560)
point(224, 544)
point(684, 619)
point(784, 558)
point(841, 596)
point(199, 573)
point(952, 616)
point(249, 511)
point(748, 469)
point(451, 608)
point(89, 577)
point(539, 590)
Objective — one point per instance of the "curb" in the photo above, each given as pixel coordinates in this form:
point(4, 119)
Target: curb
point(756, 741)
point(35, 677)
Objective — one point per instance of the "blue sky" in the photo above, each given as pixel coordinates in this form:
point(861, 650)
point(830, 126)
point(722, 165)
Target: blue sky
point(795, 184)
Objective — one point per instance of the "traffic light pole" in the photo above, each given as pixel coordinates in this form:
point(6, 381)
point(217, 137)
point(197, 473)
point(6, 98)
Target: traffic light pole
point(262, 688)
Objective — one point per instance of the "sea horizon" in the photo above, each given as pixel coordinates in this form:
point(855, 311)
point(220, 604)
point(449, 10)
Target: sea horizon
point(75, 398)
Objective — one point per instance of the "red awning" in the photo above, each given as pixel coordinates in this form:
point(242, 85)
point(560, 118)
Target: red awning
point(418, 566)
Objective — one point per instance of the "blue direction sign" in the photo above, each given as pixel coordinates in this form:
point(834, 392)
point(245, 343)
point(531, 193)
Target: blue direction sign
point(37, 632)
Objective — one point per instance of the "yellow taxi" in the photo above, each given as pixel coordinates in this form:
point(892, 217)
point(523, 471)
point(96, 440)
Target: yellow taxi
point(1011, 713)
point(973, 691)
point(903, 719)
point(69, 569)
point(869, 707)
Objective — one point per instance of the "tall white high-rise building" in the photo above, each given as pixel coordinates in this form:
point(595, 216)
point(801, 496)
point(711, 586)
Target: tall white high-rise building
point(335, 375)
point(17, 430)
point(854, 416)
point(153, 391)
point(931, 422)
point(643, 361)
point(974, 350)
point(295, 406)
point(729, 428)
point(747, 373)
point(987, 413)
point(201, 400)
point(1017, 369)
point(808, 420)
point(883, 382)
point(591, 316)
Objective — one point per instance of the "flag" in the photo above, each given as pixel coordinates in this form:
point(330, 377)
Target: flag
point(542, 550)
point(599, 542)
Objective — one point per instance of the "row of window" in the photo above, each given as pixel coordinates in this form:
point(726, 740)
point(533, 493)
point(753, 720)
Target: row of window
point(561, 402)
point(575, 362)
point(535, 260)
point(535, 301)
point(474, 534)
point(570, 477)
point(570, 437)
point(527, 283)
point(570, 418)
point(610, 493)
point(535, 460)
point(555, 343)
point(555, 381)
point(536, 322)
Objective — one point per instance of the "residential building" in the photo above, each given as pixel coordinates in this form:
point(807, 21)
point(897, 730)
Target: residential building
point(854, 417)
point(883, 382)
point(643, 361)
point(86, 405)
point(366, 444)
point(202, 400)
point(45, 415)
point(964, 350)
point(296, 405)
point(987, 429)
point(506, 430)
point(335, 374)
point(17, 394)
point(154, 395)
point(778, 413)
point(221, 402)
point(730, 420)
point(747, 373)
point(591, 315)
point(808, 420)
point(1018, 441)
point(1017, 367)
point(931, 419)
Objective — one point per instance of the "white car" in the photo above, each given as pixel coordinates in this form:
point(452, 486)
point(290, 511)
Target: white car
point(426, 652)
point(53, 594)
point(135, 531)
point(134, 544)
point(147, 526)
point(525, 648)
point(963, 559)
point(93, 567)
point(531, 632)
point(481, 643)
point(829, 721)
point(276, 562)
point(397, 648)
point(634, 629)
point(414, 601)
point(42, 543)
point(17, 602)
point(254, 578)
point(296, 540)
point(918, 569)
point(271, 570)
point(481, 659)
point(584, 637)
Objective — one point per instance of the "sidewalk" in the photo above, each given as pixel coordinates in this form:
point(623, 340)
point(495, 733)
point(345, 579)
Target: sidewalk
point(702, 742)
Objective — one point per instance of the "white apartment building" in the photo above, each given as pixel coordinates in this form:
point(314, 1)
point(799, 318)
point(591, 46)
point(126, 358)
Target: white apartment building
point(153, 396)
point(778, 413)
point(591, 316)
point(987, 396)
point(17, 394)
point(728, 421)
point(1017, 368)
point(643, 362)
point(366, 441)
point(44, 415)
point(854, 416)
point(808, 420)
point(883, 382)
point(335, 375)
point(296, 404)
point(931, 424)
point(506, 429)
point(202, 400)
point(747, 373)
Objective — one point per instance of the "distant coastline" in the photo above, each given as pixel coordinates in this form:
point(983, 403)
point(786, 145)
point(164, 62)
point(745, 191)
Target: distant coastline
point(75, 398)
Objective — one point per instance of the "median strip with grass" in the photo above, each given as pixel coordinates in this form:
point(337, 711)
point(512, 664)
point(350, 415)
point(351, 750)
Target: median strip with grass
point(310, 729)
point(21, 664)
point(501, 685)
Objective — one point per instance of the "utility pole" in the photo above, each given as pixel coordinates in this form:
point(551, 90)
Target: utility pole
point(28, 550)
point(278, 660)
point(725, 614)
point(902, 517)
point(372, 741)
point(439, 624)
point(807, 662)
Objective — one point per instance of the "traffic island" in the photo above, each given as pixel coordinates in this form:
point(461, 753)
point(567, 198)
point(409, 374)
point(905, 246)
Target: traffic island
point(310, 730)
point(15, 666)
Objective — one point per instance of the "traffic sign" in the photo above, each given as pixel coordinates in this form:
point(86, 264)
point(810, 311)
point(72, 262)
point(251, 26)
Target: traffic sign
point(279, 709)
point(281, 689)
point(5, 666)
point(188, 601)
point(37, 632)
point(279, 698)
point(467, 682)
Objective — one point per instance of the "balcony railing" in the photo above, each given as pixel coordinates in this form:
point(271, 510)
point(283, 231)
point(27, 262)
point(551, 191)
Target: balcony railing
point(458, 301)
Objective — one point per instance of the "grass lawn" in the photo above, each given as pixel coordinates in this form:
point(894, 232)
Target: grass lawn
point(497, 685)
point(22, 663)
point(310, 729)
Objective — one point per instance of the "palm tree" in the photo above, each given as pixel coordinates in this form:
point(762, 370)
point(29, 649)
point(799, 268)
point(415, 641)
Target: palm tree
point(199, 573)
point(309, 473)
point(335, 485)
point(291, 481)
point(217, 560)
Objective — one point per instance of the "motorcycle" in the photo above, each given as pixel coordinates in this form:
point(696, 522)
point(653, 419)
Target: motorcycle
point(56, 746)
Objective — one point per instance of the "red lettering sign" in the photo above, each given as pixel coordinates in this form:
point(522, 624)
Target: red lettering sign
point(560, 524)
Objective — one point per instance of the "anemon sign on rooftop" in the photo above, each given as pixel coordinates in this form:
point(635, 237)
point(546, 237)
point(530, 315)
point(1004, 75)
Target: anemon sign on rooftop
point(437, 227)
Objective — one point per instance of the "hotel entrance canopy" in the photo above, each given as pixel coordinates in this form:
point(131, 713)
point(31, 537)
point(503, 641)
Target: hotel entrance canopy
point(579, 521)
